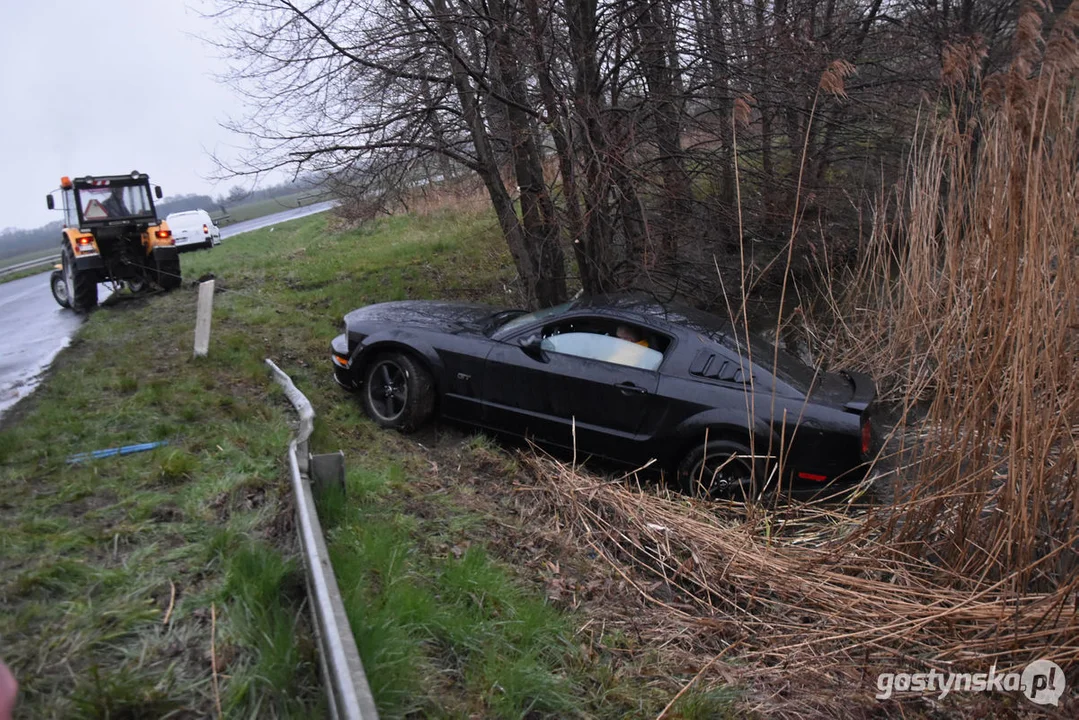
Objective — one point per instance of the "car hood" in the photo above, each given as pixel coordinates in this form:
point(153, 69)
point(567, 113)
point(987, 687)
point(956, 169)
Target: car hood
point(430, 314)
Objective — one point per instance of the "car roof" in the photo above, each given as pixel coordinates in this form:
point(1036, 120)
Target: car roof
point(650, 310)
point(188, 212)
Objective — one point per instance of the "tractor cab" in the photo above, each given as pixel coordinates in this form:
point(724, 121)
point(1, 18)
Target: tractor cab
point(110, 201)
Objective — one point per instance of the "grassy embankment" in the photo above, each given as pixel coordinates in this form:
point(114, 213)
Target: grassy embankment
point(445, 581)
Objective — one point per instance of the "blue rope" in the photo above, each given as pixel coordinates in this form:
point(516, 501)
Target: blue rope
point(126, 450)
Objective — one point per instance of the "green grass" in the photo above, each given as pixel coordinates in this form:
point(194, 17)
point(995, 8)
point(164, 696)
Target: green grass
point(497, 648)
point(449, 621)
point(31, 255)
point(25, 273)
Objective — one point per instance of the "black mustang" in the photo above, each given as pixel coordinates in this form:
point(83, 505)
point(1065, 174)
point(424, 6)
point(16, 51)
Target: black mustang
point(625, 378)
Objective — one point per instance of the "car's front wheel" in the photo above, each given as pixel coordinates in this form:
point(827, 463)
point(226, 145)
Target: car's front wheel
point(721, 469)
point(398, 392)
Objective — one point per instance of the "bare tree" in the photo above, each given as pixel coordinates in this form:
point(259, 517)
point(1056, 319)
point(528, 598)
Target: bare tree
point(603, 126)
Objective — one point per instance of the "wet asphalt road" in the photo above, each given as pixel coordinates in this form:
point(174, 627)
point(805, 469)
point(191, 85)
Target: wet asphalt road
point(33, 328)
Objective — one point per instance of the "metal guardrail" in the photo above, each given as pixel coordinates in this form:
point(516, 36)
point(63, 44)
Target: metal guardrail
point(346, 685)
point(30, 264)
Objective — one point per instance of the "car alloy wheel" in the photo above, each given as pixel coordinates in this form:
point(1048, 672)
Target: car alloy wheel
point(387, 392)
point(722, 476)
point(398, 391)
point(721, 468)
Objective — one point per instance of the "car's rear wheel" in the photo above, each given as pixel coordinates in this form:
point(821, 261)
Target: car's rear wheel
point(398, 392)
point(721, 469)
point(59, 288)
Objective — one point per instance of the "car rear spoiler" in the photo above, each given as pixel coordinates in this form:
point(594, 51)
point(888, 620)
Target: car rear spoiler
point(864, 391)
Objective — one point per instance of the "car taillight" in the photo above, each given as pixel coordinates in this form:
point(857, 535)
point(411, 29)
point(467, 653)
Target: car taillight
point(205, 230)
point(867, 437)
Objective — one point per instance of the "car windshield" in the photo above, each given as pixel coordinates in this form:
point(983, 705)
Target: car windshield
point(521, 321)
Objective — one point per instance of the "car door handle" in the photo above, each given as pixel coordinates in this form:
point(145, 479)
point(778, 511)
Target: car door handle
point(628, 388)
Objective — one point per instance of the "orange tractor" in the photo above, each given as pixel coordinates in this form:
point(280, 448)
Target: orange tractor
point(111, 235)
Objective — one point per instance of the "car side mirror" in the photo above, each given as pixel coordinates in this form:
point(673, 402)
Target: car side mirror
point(157, 192)
point(50, 202)
point(533, 347)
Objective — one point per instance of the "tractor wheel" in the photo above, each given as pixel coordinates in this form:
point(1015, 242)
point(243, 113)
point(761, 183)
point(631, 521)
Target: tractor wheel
point(81, 286)
point(168, 273)
point(59, 288)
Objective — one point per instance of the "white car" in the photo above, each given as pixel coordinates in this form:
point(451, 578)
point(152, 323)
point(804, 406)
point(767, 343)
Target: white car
point(193, 230)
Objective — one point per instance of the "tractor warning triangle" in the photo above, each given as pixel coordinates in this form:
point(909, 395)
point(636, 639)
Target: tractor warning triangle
point(94, 211)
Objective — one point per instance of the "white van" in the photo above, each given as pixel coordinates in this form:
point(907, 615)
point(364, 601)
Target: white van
point(193, 230)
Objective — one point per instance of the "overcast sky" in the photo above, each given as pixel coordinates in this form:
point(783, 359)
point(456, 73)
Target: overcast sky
point(103, 88)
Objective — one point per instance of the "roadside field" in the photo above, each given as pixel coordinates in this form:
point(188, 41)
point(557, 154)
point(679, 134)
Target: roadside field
point(118, 577)
point(260, 208)
point(26, 272)
point(36, 270)
point(35, 255)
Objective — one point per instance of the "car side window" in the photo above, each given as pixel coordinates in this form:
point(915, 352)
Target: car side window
point(605, 348)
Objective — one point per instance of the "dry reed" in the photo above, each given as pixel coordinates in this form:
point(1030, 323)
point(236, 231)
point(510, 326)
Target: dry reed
point(821, 599)
point(966, 300)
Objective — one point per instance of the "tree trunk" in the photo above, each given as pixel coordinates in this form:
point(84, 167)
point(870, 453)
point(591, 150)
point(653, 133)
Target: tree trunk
point(660, 77)
point(589, 252)
point(488, 168)
point(539, 223)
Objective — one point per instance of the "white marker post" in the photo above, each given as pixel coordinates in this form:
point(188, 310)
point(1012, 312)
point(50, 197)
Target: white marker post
point(202, 322)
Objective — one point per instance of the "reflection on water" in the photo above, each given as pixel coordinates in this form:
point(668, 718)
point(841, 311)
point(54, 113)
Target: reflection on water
point(34, 329)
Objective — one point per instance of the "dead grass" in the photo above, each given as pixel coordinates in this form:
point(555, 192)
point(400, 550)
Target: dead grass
point(809, 616)
point(464, 195)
